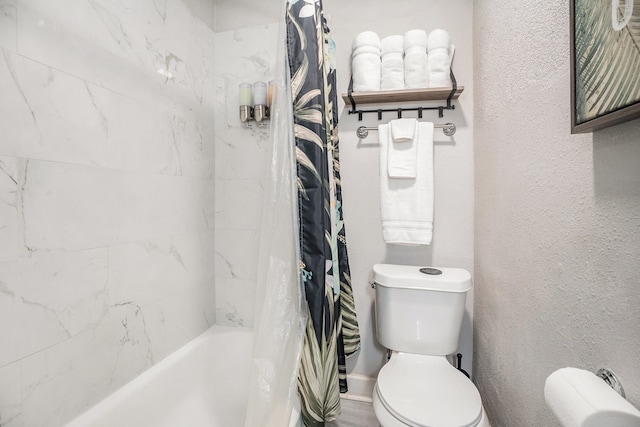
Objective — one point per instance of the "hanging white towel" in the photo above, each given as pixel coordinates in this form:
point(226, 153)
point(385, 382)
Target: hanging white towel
point(403, 130)
point(406, 205)
point(403, 149)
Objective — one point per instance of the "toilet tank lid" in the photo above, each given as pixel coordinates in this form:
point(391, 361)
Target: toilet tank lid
point(410, 277)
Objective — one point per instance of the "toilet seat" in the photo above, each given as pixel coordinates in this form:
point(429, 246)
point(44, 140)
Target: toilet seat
point(426, 391)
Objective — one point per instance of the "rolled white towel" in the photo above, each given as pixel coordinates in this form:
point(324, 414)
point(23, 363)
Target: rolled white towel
point(415, 50)
point(440, 53)
point(438, 39)
point(392, 44)
point(366, 69)
point(439, 66)
point(392, 72)
point(415, 38)
point(416, 74)
point(366, 49)
point(365, 62)
point(365, 38)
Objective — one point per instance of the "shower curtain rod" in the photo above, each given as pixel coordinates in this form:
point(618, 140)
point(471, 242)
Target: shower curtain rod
point(449, 129)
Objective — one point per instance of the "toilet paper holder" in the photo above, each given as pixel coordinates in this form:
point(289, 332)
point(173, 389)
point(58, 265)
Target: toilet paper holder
point(611, 380)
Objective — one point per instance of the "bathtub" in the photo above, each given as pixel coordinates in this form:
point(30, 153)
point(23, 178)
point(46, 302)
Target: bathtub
point(204, 383)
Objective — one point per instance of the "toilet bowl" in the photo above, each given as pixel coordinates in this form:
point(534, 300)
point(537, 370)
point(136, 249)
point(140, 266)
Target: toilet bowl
point(426, 391)
point(419, 313)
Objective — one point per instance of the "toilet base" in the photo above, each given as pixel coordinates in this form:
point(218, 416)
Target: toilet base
point(386, 419)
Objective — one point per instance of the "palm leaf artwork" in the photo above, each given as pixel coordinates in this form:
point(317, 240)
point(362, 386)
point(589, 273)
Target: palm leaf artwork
point(607, 62)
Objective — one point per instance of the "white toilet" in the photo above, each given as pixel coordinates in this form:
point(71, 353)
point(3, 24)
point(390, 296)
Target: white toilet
point(418, 317)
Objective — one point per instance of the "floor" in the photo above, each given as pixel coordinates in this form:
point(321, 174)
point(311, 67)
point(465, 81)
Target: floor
point(355, 414)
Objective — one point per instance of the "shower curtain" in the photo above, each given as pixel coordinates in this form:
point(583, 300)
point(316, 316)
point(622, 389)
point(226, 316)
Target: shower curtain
point(332, 331)
point(305, 322)
point(280, 312)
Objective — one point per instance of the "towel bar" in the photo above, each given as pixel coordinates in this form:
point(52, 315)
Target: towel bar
point(449, 129)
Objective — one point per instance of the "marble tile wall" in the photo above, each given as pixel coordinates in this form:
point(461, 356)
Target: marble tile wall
point(106, 197)
point(242, 161)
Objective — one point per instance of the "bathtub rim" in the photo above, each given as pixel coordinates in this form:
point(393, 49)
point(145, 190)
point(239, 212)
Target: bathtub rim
point(91, 415)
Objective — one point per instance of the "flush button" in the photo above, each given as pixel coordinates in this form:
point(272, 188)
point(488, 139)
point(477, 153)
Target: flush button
point(430, 271)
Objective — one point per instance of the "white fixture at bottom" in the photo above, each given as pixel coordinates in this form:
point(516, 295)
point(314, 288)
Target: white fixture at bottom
point(419, 313)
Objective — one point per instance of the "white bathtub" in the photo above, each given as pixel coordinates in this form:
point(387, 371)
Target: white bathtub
point(205, 383)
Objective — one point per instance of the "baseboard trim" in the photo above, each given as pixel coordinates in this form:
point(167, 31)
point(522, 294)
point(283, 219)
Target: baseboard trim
point(360, 388)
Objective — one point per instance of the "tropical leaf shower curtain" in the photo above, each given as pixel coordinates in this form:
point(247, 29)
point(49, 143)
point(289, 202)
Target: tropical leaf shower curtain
point(332, 330)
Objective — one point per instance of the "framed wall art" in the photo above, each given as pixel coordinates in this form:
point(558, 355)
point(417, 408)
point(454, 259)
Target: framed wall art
point(605, 63)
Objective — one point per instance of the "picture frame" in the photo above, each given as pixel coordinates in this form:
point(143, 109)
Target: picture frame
point(605, 63)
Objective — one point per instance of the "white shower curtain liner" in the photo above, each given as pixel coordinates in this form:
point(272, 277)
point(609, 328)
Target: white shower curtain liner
point(280, 313)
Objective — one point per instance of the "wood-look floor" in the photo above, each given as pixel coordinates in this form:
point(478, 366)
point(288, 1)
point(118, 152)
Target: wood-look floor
point(355, 414)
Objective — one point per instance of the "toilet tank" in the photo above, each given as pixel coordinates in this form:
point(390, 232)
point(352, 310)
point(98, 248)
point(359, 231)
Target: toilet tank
point(419, 309)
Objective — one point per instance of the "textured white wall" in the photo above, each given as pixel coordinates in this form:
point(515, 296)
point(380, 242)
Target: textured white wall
point(453, 239)
point(557, 222)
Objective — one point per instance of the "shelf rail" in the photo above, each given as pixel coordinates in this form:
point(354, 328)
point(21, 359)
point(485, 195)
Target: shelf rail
point(448, 129)
point(399, 111)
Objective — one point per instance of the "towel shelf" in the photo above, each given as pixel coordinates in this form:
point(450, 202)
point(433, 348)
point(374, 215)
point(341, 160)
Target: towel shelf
point(449, 129)
point(405, 95)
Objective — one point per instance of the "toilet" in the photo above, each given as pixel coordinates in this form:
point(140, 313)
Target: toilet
point(419, 313)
